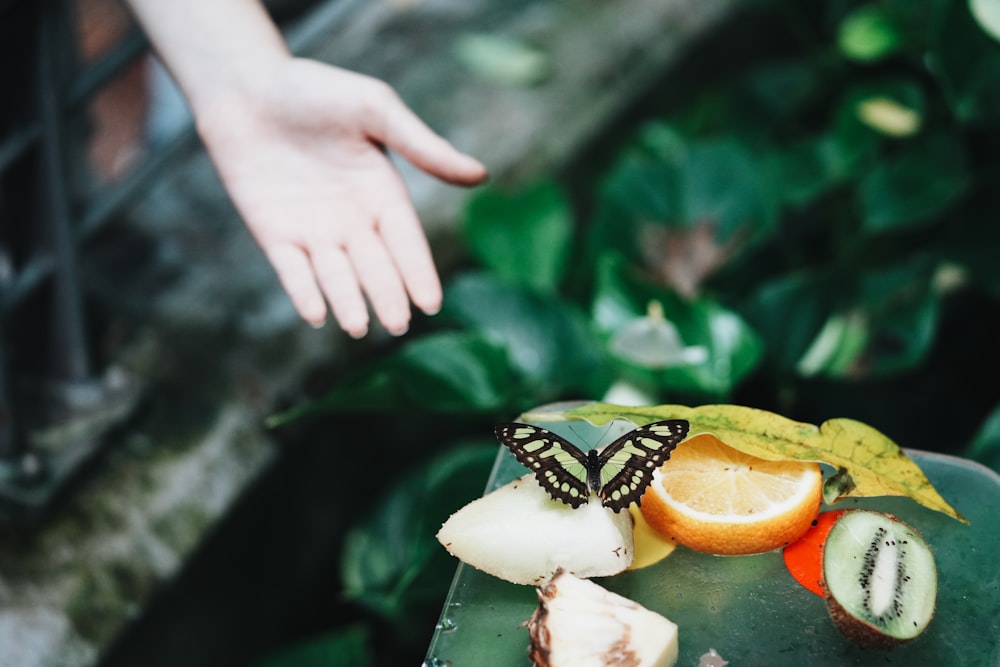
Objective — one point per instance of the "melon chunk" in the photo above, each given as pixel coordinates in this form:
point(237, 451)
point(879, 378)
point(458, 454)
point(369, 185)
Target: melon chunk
point(520, 534)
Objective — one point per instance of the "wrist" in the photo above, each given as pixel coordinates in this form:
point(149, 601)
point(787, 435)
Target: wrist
point(215, 50)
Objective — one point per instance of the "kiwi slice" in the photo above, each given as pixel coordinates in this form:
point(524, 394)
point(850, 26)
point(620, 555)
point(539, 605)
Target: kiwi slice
point(880, 579)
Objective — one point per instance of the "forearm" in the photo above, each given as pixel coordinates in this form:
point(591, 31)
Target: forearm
point(211, 47)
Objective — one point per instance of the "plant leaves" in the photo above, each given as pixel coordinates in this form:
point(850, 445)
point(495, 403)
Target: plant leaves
point(966, 63)
point(347, 647)
point(916, 185)
point(446, 372)
point(523, 236)
point(972, 242)
point(789, 311)
point(893, 107)
point(872, 464)
point(501, 59)
point(665, 181)
point(985, 446)
point(391, 561)
point(719, 348)
point(547, 340)
point(868, 34)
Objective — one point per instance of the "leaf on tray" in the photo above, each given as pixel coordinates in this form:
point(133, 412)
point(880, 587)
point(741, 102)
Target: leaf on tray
point(867, 462)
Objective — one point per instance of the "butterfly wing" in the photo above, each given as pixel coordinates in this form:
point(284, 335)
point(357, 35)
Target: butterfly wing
point(628, 463)
point(558, 465)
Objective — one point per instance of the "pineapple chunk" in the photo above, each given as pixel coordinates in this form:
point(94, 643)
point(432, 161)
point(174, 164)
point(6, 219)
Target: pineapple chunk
point(580, 624)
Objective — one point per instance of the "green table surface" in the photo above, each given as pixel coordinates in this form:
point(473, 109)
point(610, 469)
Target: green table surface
point(749, 608)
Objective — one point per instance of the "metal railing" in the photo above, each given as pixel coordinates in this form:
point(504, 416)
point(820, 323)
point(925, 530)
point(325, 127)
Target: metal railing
point(48, 379)
point(55, 406)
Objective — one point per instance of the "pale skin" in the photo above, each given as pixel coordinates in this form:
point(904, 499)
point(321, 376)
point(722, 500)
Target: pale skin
point(300, 146)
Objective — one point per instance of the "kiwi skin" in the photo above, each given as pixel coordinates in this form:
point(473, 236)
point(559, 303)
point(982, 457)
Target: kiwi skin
point(862, 632)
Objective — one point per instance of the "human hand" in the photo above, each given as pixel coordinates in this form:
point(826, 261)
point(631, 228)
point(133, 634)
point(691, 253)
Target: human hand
point(301, 154)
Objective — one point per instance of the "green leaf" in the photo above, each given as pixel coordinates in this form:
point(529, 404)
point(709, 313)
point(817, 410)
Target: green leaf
point(501, 59)
point(876, 465)
point(972, 243)
point(851, 146)
point(894, 108)
point(780, 90)
point(347, 647)
point(726, 184)
point(548, 341)
point(720, 349)
point(806, 169)
point(641, 190)
point(666, 181)
point(868, 34)
point(837, 346)
point(789, 312)
point(902, 308)
point(965, 61)
point(524, 237)
point(890, 326)
point(985, 446)
point(444, 372)
point(392, 563)
point(914, 186)
point(843, 324)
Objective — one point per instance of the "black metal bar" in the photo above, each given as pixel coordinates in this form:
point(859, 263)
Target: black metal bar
point(90, 81)
point(38, 456)
point(17, 144)
point(26, 281)
point(10, 446)
point(114, 198)
point(101, 209)
point(70, 359)
point(81, 89)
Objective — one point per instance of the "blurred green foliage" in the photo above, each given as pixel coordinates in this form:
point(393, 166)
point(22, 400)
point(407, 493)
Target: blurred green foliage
point(812, 232)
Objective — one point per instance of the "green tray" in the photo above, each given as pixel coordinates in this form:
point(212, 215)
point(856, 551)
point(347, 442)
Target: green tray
point(749, 608)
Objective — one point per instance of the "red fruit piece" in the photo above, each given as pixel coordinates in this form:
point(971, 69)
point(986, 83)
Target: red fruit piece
point(804, 557)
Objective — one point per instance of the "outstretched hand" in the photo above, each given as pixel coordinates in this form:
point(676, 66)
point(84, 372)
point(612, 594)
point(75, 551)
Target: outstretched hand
point(302, 155)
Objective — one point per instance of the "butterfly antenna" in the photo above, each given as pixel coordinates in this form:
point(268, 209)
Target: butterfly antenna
point(590, 443)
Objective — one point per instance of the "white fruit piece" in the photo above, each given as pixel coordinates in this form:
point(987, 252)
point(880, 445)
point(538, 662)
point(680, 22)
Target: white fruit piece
point(580, 624)
point(520, 534)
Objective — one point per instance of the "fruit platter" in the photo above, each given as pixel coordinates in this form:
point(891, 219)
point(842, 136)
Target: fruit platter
point(750, 609)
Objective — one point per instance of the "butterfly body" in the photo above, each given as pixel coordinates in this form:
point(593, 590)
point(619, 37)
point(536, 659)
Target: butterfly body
point(618, 475)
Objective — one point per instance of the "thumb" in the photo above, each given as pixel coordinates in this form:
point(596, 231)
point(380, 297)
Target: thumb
point(400, 129)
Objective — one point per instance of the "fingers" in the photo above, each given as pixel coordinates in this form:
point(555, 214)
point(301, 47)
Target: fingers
point(405, 242)
point(296, 276)
point(383, 271)
point(337, 279)
point(393, 124)
point(379, 278)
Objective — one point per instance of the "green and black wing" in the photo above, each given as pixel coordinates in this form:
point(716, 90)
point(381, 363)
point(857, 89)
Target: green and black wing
point(628, 463)
point(559, 466)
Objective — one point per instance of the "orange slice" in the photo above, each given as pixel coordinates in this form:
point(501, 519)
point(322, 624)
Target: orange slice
point(804, 556)
point(711, 497)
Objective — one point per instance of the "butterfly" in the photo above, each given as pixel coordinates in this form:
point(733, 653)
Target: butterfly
point(618, 475)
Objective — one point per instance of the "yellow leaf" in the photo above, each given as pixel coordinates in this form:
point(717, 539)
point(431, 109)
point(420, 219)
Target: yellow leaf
point(867, 462)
